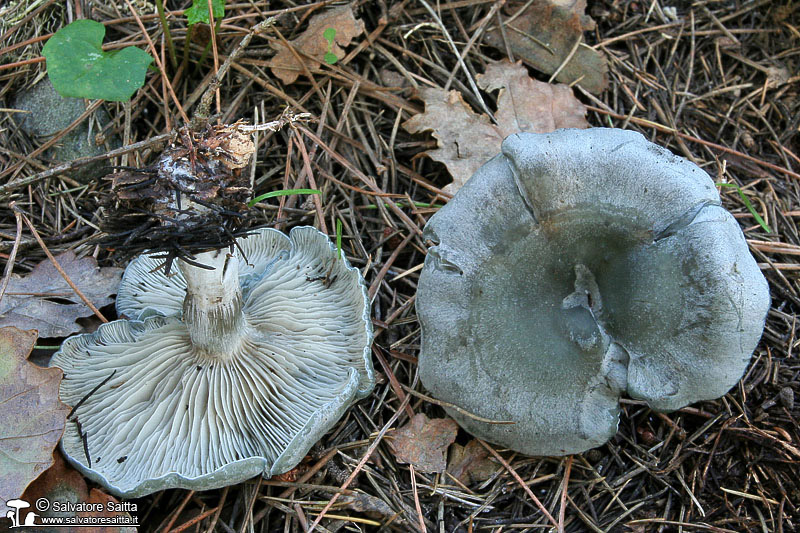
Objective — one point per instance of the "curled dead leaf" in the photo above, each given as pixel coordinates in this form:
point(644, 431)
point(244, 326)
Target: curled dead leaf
point(373, 507)
point(545, 32)
point(60, 483)
point(423, 442)
point(311, 46)
point(471, 463)
point(525, 104)
point(467, 140)
point(63, 484)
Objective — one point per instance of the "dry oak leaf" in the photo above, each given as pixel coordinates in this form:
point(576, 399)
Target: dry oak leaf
point(423, 442)
point(32, 419)
point(471, 463)
point(545, 33)
point(467, 140)
point(62, 483)
point(311, 46)
point(44, 301)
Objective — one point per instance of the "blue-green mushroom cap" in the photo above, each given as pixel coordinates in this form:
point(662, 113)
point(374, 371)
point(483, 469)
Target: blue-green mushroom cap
point(573, 268)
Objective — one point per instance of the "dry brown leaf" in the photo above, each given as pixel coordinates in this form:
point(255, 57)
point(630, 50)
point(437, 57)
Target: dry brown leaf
point(365, 503)
point(311, 46)
point(378, 509)
point(33, 416)
point(471, 463)
point(423, 442)
point(109, 505)
point(777, 76)
point(525, 104)
point(558, 24)
point(467, 140)
point(44, 301)
point(62, 485)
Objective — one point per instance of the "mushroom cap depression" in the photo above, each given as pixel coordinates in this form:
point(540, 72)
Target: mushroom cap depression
point(573, 267)
point(166, 415)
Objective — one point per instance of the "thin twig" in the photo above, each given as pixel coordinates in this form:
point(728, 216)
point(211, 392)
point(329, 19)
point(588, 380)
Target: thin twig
point(214, 51)
point(196, 519)
point(363, 461)
point(456, 408)
point(563, 507)
point(89, 395)
point(158, 61)
point(179, 509)
point(53, 140)
point(13, 255)
point(50, 256)
point(80, 162)
point(202, 111)
point(363, 177)
point(522, 483)
point(315, 197)
point(417, 506)
point(470, 78)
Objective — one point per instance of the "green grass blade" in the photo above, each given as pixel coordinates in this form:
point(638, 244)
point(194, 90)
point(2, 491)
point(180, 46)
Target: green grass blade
point(338, 238)
point(753, 211)
point(748, 205)
point(285, 192)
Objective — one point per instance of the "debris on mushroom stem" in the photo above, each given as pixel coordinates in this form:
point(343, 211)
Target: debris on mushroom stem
point(191, 200)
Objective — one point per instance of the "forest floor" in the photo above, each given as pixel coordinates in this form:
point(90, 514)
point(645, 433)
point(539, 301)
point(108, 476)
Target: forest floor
point(714, 81)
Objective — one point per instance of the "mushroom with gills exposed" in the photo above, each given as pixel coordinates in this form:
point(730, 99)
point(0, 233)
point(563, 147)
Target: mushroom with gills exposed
point(572, 268)
point(232, 365)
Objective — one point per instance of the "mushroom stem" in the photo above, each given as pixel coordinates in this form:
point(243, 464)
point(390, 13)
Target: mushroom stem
point(212, 308)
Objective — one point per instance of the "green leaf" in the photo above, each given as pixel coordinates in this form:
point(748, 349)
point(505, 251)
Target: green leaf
point(286, 192)
point(329, 35)
point(78, 66)
point(199, 11)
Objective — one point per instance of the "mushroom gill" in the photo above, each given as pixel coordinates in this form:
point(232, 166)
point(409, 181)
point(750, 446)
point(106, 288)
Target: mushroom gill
point(171, 401)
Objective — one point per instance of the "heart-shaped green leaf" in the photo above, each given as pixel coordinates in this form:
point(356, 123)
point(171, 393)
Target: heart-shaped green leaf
point(199, 11)
point(78, 66)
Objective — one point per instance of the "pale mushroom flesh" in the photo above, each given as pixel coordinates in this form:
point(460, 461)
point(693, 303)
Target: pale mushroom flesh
point(572, 268)
point(176, 408)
